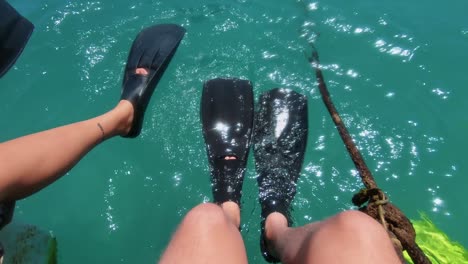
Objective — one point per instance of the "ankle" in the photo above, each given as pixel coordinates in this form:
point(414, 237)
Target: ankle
point(232, 210)
point(125, 111)
point(275, 224)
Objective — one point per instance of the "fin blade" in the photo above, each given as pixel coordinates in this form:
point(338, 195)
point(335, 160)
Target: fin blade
point(15, 31)
point(154, 47)
point(227, 120)
point(227, 117)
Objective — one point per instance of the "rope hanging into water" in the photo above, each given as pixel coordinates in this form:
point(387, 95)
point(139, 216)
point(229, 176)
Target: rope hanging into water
point(371, 200)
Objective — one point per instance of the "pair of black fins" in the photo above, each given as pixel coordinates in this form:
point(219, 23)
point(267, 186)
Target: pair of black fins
point(279, 129)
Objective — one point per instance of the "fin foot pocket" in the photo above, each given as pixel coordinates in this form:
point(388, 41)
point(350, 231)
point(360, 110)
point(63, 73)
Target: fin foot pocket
point(152, 50)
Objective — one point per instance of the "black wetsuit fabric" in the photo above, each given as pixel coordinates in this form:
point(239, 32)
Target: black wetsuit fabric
point(6, 213)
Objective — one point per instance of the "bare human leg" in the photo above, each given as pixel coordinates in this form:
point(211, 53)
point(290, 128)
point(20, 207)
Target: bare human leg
point(348, 237)
point(279, 148)
point(209, 233)
point(30, 163)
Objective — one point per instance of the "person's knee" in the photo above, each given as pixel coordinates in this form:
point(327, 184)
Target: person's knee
point(358, 227)
point(356, 222)
point(349, 227)
point(346, 232)
point(206, 215)
point(352, 234)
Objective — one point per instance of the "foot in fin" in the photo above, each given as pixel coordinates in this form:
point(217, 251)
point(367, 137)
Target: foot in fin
point(152, 50)
point(280, 138)
point(15, 31)
point(227, 119)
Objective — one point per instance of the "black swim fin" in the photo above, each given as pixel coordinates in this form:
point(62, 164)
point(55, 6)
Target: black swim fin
point(227, 118)
point(152, 49)
point(15, 31)
point(280, 138)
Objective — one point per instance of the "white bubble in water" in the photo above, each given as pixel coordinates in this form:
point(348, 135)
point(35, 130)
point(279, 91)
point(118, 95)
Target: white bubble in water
point(382, 22)
point(395, 51)
point(358, 30)
point(438, 202)
point(443, 94)
point(352, 73)
point(268, 55)
point(379, 43)
point(312, 6)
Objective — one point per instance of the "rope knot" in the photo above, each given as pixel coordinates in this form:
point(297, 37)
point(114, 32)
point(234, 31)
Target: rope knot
point(371, 196)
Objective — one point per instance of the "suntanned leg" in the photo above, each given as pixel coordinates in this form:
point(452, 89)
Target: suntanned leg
point(29, 163)
point(209, 233)
point(349, 237)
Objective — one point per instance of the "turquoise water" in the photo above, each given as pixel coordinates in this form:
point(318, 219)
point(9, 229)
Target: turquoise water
point(395, 70)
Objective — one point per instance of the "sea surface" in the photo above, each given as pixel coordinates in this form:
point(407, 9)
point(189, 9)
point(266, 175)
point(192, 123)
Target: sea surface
point(397, 72)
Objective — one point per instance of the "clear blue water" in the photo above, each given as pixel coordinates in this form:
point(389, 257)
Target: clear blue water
point(396, 71)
